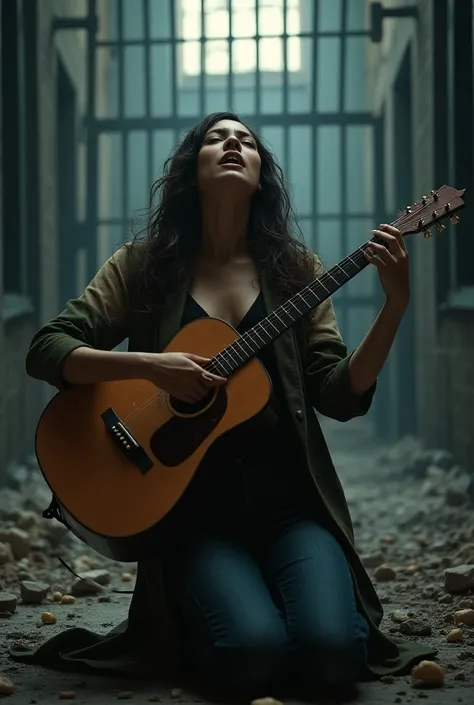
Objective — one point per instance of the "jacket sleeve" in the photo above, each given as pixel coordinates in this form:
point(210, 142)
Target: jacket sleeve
point(326, 370)
point(99, 319)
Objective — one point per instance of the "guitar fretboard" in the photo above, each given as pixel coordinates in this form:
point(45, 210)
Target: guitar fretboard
point(239, 352)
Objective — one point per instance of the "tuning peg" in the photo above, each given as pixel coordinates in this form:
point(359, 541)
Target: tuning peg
point(440, 227)
point(455, 219)
point(428, 233)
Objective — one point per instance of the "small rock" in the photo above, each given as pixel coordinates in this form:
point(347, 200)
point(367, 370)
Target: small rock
point(455, 497)
point(48, 618)
point(398, 617)
point(415, 627)
point(464, 617)
point(266, 701)
point(57, 596)
point(388, 679)
point(428, 673)
point(454, 635)
point(102, 577)
point(27, 520)
point(389, 539)
point(125, 695)
point(6, 686)
point(6, 555)
point(459, 578)
point(154, 699)
point(372, 560)
point(8, 602)
point(104, 598)
point(68, 600)
point(429, 592)
point(67, 695)
point(32, 592)
point(82, 587)
point(127, 577)
point(412, 568)
point(384, 573)
point(19, 541)
point(445, 599)
point(176, 693)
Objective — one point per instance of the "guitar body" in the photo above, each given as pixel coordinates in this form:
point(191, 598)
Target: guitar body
point(119, 457)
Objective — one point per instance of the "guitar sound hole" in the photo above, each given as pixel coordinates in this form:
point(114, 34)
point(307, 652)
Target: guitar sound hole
point(183, 408)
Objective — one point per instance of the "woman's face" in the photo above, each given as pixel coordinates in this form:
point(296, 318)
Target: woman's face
point(228, 158)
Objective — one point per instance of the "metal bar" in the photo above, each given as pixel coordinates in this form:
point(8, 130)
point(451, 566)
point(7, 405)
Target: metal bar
point(147, 49)
point(262, 120)
point(92, 160)
point(325, 216)
point(202, 97)
point(230, 75)
point(286, 132)
point(314, 127)
point(258, 87)
point(181, 40)
point(343, 155)
point(174, 72)
point(121, 115)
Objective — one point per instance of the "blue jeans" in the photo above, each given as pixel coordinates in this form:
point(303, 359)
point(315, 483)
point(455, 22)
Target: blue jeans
point(259, 613)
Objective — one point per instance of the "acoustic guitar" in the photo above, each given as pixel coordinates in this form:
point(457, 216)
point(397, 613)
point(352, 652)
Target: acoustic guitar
point(119, 457)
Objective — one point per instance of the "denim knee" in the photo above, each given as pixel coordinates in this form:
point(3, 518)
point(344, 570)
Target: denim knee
point(335, 661)
point(251, 657)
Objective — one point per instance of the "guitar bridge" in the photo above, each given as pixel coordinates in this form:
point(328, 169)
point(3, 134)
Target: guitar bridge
point(125, 441)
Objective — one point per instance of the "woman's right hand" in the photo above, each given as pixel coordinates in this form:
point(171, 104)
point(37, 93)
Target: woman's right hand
point(181, 375)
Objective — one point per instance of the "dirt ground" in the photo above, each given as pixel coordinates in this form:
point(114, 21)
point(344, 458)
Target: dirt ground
point(413, 511)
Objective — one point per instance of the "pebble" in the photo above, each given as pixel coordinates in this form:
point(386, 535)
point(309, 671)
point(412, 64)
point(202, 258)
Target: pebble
point(454, 635)
point(82, 587)
point(428, 673)
point(266, 701)
point(415, 627)
point(127, 577)
point(384, 573)
point(33, 592)
point(48, 618)
point(67, 695)
point(68, 599)
point(125, 695)
point(8, 602)
point(6, 555)
point(18, 539)
point(459, 578)
point(176, 693)
point(464, 617)
point(6, 686)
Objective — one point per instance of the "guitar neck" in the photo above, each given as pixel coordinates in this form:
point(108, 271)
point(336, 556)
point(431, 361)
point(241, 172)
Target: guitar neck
point(235, 355)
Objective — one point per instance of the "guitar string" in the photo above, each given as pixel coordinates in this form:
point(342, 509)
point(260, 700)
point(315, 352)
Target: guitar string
point(357, 253)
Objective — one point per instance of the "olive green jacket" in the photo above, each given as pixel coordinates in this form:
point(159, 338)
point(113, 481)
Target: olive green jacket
point(314, 368)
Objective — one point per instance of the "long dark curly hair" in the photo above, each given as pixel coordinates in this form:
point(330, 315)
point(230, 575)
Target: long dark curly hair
point(172, 237)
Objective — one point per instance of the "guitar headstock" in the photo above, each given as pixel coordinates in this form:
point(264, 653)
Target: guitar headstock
point(431, 210)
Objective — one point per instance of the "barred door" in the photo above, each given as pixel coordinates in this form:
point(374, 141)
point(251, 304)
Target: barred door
point(293, 69)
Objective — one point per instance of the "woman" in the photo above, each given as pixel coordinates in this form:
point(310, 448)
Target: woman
point(267, 588)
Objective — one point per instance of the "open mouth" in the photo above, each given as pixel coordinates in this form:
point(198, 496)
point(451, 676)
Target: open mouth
point(232, 158)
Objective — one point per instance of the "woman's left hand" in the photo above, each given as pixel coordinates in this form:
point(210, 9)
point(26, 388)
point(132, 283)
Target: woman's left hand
point(392, 264)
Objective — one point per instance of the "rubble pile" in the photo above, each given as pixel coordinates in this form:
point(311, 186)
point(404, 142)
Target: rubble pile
point(413, 515)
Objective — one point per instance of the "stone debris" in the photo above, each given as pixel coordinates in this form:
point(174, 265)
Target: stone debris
point(6, 686)
point(33, 593)
point(266, 701)
point(428, 673)
point(48, 618)
point(464, 617)
point(412, 513)
point(455, 635)
point(459, 579)
point(8, 602)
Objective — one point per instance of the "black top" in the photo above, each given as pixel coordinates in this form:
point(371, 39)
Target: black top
point(255, 466)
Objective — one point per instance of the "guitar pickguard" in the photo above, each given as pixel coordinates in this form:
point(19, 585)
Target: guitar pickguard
point(181, 436)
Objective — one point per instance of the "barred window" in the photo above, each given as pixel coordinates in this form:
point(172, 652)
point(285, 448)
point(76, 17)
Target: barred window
point(221, 29)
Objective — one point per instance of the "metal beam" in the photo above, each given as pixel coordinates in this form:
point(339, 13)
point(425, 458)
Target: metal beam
point(270, 119)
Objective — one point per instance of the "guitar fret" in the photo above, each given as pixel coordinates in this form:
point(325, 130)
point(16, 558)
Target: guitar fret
point(270, 328)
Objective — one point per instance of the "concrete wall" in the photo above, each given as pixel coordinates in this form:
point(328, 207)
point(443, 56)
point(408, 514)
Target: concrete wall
point(444, 333)
point(22, 399)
